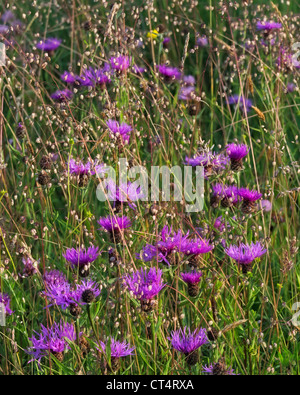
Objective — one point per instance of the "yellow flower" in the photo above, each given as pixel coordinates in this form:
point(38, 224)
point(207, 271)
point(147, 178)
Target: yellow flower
point(153, 34)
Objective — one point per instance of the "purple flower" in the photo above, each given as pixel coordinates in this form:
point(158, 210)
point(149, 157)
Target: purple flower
point(245, 253)
point(62, 95)
point(60, 294)
point(87, 291)
point(81, 257)
point(266, 205)
point(239, 100)
point(4, 29)
point(191, 277)
point(266, 25)
point(51, 340)
point(290, 87)
point(114, 224)
point(169, 243)
point(54, 277)
point(120, 63)
point(145, 285)
point(186, 341)
point(249, 195)
point(79, 168)
point(125, 192)
point(202, 41)
point(169, 73)
point(7, 16)
point(218, 369)
point(92, 77)
point(166, 42)
point(211, 161)
point(195, 247)
point(237, 151)
point(69, 77)
point(227, 194)
point(186, 92)
point(117, 349)
point(123, 130)
point(5, 300)
point(50, 44)
point(30, 267)
point(138, 69)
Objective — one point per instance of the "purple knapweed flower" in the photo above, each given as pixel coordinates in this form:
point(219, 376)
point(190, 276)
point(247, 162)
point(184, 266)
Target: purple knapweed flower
point(192, 279)
point(145, 285)
point(290, 87)
point(59, 294)
point(166, 42)
point(7, 16)
point(226, 194)
point(119, 130)
point(62, 95)
point(189, 342)
point(218, 369)
point(211, 161)
point(202, 41)
point(4, 29)
point(250, 198)
point(169, 73)
point(69, 77)
point(30, 267)
point(81, 258)
point(5, 301)
point(240, 101)
point(125, 192)
point(245, 254)
point(54, 277)
point(49, 45)
point(266, 205)
point(138, 69)
point(164, 250)
point(194, 248)
point(268, 25)
point(115, 226)
point(185, 93)
point(93, 77)
point(118, 350)
point(120, 63)
point(53, 340)
point(87, 291)
point(236, 152)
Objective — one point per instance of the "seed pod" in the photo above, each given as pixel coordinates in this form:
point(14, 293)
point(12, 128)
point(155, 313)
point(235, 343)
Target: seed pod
point(193, 289)
point(75, 310)
point(192, 358)
point(20, 131)
point(45, 162)
point(43, 178)
point(58, 355)
point(88, 296)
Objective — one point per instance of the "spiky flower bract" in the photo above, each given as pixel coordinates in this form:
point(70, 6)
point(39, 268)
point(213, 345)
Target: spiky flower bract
point(123, 130)
point(118, 349)
point(168, 243)
point(144, 284)
point(186, 341)
point(51, 339)
point(245, 253)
